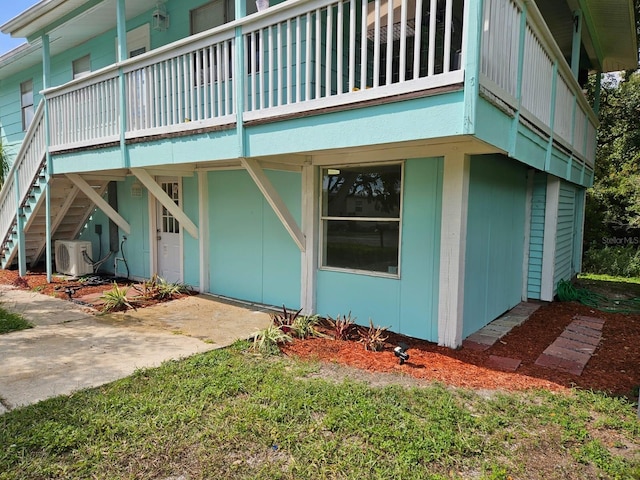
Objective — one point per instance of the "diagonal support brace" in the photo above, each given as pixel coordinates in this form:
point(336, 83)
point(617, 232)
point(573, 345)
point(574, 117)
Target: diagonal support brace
point(277, 204)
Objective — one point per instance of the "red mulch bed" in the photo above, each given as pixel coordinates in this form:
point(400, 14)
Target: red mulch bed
point(61, 287)
point(613, 368)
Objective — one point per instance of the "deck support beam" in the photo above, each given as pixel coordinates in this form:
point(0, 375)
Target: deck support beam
point(275, 200)
point(453, 245)
point(156, 190)
point(100, 202)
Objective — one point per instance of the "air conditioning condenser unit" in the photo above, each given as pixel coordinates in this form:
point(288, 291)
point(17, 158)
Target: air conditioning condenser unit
point(72, 257)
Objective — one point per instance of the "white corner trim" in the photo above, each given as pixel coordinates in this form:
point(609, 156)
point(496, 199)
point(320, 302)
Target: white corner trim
point(100, 202)
point(275, 200)
point(550, 236)
point(527, 235)
point(453, 244)
point(310, 227)
point(159, 194)
point(203, 221)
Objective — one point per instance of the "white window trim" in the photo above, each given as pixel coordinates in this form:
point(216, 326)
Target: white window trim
point(322, 218)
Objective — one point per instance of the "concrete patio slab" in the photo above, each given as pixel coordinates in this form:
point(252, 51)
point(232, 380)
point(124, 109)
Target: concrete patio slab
point(70, 349)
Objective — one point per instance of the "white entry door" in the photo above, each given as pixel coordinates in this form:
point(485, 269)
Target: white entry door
point(168, 233)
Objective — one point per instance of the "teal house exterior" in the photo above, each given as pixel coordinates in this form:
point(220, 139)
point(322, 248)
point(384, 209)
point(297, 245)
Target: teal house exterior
point(419, 163)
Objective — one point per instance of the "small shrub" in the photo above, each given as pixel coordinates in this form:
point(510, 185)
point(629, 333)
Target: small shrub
point(305, 326)
point(115, 300)
point(157, 288)
point(342, 326)
point(616, 261)
point(373, 337)
point(266, 341)
point(285, 319)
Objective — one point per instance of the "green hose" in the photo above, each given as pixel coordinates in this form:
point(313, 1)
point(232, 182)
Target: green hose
point(567, 292)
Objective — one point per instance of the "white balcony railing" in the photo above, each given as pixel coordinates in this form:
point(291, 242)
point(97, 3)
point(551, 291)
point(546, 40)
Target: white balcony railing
point(568, 118)
point(296, 56)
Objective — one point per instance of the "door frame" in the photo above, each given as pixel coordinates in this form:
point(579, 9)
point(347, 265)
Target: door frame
point(153, 227)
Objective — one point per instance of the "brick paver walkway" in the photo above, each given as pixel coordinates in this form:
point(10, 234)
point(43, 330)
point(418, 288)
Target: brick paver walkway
point(571, 351)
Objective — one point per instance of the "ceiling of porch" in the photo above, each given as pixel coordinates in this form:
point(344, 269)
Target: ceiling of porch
point(85, 20)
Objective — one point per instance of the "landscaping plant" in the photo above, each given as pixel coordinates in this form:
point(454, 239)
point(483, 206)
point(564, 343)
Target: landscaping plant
point(285, 319)
point(342, 326)
point(373, 337)
point(266, 341)
point(115, 300)
point(305, 326)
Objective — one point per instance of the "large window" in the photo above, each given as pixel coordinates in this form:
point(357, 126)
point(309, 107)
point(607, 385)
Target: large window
point(361, 218)
point(26, 103)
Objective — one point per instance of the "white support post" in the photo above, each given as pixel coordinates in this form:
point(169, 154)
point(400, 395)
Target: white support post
point(550, 236)
point(203, 221)
point(527, 235)
point(273, 198)
point(167, 202)
point(310, 230)
point(100, 202)
point(22, 250)
point(453, 244)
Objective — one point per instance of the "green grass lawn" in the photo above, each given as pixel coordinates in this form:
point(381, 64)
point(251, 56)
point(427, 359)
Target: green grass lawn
point(12, 322)
point(233, 414)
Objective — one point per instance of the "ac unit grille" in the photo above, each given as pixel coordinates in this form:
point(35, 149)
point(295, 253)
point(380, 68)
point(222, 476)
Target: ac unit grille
point(71, 258)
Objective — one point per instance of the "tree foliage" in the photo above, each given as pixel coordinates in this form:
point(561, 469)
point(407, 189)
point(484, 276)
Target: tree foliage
point(613, 204)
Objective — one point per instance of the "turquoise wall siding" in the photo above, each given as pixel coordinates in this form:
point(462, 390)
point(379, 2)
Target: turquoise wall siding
point(565, 233)
point(191, 246)
point(252, 256)
point(536, 240)
point(495, 239)
point(408, 305)
point(89, 233)
point(136, 248)
point(11, 130)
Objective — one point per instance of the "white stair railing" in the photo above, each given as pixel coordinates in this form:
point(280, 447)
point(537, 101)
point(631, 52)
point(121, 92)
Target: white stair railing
point(27, 165)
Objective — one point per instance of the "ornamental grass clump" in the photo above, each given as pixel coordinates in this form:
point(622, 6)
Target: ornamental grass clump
point(267, 341)
point(116, 300)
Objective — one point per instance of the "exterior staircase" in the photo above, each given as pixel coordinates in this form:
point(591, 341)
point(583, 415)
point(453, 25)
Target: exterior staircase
point(22, 200)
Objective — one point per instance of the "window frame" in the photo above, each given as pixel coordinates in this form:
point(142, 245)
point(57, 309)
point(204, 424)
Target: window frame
point(24, 107)
point(75, 64)
point(324, 218)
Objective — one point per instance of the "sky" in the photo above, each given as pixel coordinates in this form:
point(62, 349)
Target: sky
point(8, 10)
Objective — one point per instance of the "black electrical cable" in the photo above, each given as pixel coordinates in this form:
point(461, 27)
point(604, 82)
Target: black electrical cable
point(124, 259)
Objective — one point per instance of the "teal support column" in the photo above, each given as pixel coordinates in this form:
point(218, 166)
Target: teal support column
point(46, 83)
point(239, 79)
point(519, 75)
point(472, 37)
point(121, 19)
point(597, 93)
point(22, 250)
point(577, 42)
